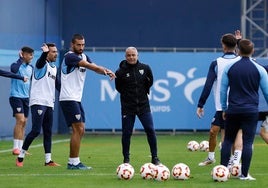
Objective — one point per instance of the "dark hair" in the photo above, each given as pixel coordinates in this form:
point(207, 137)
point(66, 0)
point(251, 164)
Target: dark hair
point(27, 49)
point(245, 47)
point(229, 40)
point(51, 44)
point(77, 37)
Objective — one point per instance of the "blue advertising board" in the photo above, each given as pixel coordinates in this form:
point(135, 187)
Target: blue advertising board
point(178, 82)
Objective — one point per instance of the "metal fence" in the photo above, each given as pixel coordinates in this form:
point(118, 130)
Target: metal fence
point(166, 49)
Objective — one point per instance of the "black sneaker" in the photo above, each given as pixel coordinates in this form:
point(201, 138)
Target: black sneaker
point(126, 160)
point(156, 161)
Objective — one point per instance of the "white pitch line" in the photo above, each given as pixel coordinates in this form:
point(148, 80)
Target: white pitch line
point(78, 174)
point(37, 145)
point(98, 174)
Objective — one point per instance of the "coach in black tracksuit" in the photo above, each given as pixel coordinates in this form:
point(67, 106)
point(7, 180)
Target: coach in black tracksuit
point(133, 82)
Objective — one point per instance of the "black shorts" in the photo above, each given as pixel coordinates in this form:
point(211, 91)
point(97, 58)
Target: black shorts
point(218, 120)
point(262, 115)
point(19, 105)
point(73, 112)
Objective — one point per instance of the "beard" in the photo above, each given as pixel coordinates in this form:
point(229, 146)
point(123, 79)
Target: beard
point(80, 51)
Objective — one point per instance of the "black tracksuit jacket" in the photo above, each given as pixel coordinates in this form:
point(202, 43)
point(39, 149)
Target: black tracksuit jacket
point(133, 82)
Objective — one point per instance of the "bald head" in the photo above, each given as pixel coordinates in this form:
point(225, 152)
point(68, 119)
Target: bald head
point(131, 55)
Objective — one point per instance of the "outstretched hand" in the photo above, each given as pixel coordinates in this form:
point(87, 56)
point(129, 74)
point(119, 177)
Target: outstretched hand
point(109, 73)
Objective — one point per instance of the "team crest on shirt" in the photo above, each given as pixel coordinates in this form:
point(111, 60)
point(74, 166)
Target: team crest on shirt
point(127, 75)
point(213, 119)
point(82, 69)
point(78, 116)
point(141, 71)
point(39, 112)
point(18, 109)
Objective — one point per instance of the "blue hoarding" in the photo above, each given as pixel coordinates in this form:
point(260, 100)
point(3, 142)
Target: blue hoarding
point(178, 82)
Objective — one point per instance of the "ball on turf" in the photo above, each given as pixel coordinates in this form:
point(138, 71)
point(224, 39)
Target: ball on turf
point(220, 173)
point(147, 171)
point(235, 170)
point(125, 171)
point(181, 171)
point(204, 145)
point(162, 173)
point(193, 145)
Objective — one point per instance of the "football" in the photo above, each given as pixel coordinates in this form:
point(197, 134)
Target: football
point(125, 171)
point(193, 145)
point(220, 173)
point(204, 145)
point(235, 170)
point(162, 173)
point(147, 171)
point(181, 171)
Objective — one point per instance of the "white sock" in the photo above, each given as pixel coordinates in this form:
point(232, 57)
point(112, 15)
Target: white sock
point(20, 144)
point(47, 157)
point(15, 143)
point(22, 153)
point(211, 155)
point(74, 161)
point(237, 156)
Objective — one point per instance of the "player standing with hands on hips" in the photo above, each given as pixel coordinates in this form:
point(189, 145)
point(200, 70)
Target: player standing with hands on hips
point(133, 81)
point(73, 74)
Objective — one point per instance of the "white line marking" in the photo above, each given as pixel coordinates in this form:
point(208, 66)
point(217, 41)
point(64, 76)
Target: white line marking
point(99, 174)
point(78, 174)
point(37, 145)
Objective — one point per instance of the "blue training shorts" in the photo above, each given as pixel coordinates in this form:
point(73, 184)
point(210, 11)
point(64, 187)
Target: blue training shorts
point(73, 112)
point(218, 120)
point(19, 105)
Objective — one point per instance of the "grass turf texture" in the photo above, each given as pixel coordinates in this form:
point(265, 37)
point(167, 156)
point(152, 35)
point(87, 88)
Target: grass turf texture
point(103, 153)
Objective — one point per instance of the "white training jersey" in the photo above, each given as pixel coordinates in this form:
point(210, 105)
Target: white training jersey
point(72, 79)
point(43, 86)
point(222, 62)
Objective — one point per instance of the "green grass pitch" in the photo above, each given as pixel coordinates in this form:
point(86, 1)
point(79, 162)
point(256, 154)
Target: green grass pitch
point(103, 153)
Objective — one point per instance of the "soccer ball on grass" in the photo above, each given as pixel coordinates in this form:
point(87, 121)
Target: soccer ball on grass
point(125, 171)
point(162, 173)
point(181, 171)
point(193, 145)
point(148, 170)
point(220, 173)
point(235, 170)
point(204, 145)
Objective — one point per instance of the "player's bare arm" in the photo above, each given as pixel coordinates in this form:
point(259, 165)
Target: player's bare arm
point(97, 68)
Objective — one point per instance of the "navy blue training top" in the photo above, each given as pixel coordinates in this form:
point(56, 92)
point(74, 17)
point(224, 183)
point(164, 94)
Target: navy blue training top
point(243, 78)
